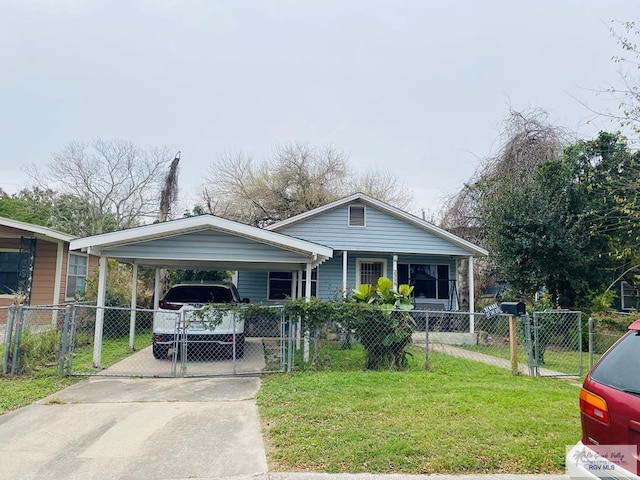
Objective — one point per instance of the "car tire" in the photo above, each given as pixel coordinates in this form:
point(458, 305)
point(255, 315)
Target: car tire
point(160, 352)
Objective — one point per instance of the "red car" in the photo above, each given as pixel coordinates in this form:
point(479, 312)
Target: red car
point(610, 415)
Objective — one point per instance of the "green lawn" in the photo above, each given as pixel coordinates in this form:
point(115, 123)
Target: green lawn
point(18, 391)
point(563, 361)
point(459, 417)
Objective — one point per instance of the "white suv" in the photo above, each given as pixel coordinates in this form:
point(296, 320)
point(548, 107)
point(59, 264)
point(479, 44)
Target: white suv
point(178, 318)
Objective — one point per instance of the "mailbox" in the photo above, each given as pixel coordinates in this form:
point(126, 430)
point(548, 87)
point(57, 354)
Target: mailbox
point(513, 308)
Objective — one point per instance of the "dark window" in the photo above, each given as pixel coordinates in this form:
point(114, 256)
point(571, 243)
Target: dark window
point(280, 284)
point(356, 216)
point(429, 281)
point(199, 294)
point(619, 368)
point(9, 272)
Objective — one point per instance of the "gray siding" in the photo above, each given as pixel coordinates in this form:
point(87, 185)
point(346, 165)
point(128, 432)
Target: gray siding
point(382, 233)
point(209, 245)
point(254, 284)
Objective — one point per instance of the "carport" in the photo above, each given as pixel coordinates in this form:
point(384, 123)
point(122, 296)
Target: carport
point(204, 242)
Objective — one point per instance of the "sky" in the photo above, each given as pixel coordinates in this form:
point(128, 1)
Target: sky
point(419, 88)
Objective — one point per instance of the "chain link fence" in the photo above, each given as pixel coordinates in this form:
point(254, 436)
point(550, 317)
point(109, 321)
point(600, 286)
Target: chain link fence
point(545, 344)
point(165, 343)
point(87, 340)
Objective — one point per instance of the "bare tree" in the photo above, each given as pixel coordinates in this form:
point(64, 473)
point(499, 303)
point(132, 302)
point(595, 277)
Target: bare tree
point(118, 181)
point(527, 139)
point(383, 186)
point(296, 179)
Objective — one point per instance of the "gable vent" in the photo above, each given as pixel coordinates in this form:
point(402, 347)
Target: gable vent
point(356, 216)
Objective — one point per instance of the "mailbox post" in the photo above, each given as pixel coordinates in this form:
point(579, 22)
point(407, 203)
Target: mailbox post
point(513, 309)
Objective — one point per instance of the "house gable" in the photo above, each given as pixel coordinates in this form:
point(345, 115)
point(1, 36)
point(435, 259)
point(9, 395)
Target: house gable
point(378, 231)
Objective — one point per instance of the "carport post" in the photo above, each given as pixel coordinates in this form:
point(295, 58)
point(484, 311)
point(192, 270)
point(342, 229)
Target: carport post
point(97, 334)
point(156, 291)
point(472, 303)
point(307, 296)
point(134, 304)
point(299, 322)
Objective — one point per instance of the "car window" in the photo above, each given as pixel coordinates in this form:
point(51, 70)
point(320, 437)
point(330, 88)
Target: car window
point(199, 294)
point(619, 368)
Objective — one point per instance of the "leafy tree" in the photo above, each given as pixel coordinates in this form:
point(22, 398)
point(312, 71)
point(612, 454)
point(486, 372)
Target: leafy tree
point(298, 178)
point(29, 205)
point(610, 173)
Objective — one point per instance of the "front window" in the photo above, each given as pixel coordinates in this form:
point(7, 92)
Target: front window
point(281, 284)
point(9, 261)
point(368, 271)
point(76, 274)
point(428, 281)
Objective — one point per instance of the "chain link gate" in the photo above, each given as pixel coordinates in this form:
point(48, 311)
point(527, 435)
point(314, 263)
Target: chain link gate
point(114, 341)
point(558, 344)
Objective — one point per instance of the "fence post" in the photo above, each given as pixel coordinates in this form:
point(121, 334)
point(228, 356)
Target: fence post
point(16, 341)
point(63, 339)
point(533, 371)
point(426, 341)
point(72, 337)
point(592, 325)
point(580, 362)
point(513, 346)
point(7, 340)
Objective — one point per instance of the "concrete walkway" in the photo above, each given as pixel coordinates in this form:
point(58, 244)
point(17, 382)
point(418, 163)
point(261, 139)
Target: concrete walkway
point(491, 360)
point(137, 429)
point(152, 429)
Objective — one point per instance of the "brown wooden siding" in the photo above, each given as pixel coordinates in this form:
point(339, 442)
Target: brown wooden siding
point(44, 273)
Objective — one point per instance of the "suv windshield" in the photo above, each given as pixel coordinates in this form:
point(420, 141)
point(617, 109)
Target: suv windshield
point(199, 294)
point(618, 369)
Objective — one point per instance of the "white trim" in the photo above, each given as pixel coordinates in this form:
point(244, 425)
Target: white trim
point(99, 325)
point(28, 227)
point(57, 284)
point(307, 285)
point(472, 302)
point(134, 305)
point(360, 261)
point(86, 273)
point(394, 273)
point(96, 243)
point(345, 270)
point(401, 214)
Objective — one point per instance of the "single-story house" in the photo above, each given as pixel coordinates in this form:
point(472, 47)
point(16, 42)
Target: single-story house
point(37, 266)
point(338, 246)
point(370, 239)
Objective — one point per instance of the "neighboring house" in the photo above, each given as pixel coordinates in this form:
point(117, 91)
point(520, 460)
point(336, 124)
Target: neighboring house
point(35, 263)
point(369, 239)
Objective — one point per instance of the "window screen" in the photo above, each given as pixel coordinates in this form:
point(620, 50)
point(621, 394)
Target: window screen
point(356, 216)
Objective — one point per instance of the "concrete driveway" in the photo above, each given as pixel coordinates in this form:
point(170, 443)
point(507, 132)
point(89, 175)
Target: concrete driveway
point(137, 429)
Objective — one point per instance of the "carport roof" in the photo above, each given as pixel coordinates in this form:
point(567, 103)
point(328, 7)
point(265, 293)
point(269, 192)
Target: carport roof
point(125, 245)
